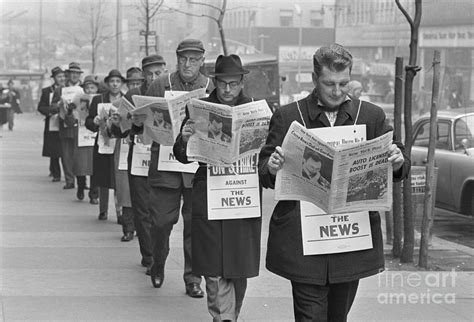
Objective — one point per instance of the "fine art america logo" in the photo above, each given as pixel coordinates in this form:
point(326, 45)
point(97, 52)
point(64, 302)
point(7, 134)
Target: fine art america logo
point(417, 288)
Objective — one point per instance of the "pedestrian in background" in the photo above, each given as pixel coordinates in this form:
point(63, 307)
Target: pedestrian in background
point(14, 100)
point(51, 142)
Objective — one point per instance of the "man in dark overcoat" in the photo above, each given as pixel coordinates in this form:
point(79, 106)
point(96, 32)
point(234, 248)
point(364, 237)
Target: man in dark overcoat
point(324, 286)
point(225, 252)
point(51, 143)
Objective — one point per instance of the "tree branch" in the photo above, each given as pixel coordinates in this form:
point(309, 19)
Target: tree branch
point(193, 14)
point(205, 4)
point(405, 13)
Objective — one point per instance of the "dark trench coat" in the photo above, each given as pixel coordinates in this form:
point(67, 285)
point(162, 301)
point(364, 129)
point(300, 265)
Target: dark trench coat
point(285, 250)
point(51, 143)
point(226, 248)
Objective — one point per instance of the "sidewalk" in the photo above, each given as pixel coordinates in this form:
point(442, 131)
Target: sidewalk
point(59, 263)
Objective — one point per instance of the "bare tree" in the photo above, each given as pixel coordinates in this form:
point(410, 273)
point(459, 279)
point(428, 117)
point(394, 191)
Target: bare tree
point(148, 10)
point(218, 20)
point(411, 69)
point(93, 28)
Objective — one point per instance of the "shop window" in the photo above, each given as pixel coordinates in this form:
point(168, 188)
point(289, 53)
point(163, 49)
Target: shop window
point(286, 18)
point(316, 18)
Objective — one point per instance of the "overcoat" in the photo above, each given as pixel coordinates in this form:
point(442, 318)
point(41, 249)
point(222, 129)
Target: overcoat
point(51, 143)
point(170, 82)
point(285, 250)
point(226, 248)
point(103, 164)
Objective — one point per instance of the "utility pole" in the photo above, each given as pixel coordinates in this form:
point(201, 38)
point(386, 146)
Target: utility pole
point(118, 26)
point(40, 38)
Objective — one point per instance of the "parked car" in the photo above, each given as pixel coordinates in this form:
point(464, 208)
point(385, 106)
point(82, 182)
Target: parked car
point(454, 157)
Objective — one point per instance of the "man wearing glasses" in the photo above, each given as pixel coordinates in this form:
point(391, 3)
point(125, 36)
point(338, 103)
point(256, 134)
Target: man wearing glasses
point(167, 187)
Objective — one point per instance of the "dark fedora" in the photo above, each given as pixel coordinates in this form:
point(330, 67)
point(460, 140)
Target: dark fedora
point(190, 45)
point(134, 73)
point(90, 79)
point(114, 73)
point(228, 66)
point(74, 68)
point(56, 70)
point(152, 60)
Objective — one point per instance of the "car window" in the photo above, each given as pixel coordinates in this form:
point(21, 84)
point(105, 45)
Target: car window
point(463, 129)
point(443, 136)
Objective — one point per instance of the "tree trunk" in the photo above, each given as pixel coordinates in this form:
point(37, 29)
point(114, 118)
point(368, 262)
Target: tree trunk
point(221, 28)
point(397, 190)
point(147, 26)
point(428, 201)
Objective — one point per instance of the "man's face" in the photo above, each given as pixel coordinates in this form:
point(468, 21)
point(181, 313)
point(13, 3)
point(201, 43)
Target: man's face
point(60, 79)
point(90, 88)
point(152, 72)
point(158, 116)
point(216, 127)
point(312, 167)
point(74, 77)
point(189, 63)
point(134, 84)
point(228, 88)
point(332, 87)
point(114, 84)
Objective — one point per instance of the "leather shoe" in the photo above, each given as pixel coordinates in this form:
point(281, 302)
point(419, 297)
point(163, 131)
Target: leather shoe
point(194, 290)
point(148, 271)
point(94, 201)
point(56, 179)
point(127, 237)
point(157, 280)
point(69, 186)
point(80, 194)
point(103, 216)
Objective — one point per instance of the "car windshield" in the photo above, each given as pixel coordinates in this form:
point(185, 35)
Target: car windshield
point(464, 130)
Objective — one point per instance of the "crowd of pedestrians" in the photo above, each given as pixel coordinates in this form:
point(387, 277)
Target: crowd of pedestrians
point(225, 253)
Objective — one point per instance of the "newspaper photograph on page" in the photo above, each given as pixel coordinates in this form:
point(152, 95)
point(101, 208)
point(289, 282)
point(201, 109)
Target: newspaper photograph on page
point(223, 133)
point(105, 143)
point(350, 177)
point(82, 103)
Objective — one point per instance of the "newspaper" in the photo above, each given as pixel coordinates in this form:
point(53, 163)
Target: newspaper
point(223, 133)
point(350, 177)
point(125, 109)
point(82, 103)
point(105, 143)
point(67, 95)
point(140, 157)
point(124, 147)
point(163, 116)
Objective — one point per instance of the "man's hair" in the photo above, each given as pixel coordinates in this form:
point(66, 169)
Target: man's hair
point(215, 117)
point(311, 154)
point(335, 57)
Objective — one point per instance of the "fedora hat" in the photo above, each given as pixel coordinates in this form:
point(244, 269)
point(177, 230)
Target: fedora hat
point(90, 79)
point(114, 73)
point(74, 67)
point(190, 45)
point(152, 60)
point(134, 73)
point(228, 66)
point(56, 70)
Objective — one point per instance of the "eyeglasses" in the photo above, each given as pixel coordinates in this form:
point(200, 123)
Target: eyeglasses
point(192, 60)
point(223, 85)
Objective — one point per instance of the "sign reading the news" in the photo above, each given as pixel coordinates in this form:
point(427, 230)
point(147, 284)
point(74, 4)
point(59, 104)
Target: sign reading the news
point(140, 157)
point(167, 162)
point(234, 190)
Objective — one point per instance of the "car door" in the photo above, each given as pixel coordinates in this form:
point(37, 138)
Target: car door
point(443, 153)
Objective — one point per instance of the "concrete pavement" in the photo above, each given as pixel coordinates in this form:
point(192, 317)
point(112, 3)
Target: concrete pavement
point(59, 263)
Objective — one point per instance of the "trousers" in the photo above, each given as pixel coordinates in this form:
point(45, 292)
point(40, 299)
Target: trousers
point(67, 159)
point(321, 303)
point(164, 206)
point(225, 297)
point(54, 167)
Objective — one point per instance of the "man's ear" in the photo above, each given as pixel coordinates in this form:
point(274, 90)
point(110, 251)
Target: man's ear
point(315, 78)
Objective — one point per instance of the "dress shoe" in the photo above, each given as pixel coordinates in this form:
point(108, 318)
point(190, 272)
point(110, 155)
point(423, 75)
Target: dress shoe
point(56, 179)
point(103, 216)
point(157, 280)
point(127, 237)
point(194, 290)
point(69, 186)
point(80, 194)
point(94, 201)
point(148, 271)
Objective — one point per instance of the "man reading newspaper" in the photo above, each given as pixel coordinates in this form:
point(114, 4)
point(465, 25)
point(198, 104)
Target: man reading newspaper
point(323, 286)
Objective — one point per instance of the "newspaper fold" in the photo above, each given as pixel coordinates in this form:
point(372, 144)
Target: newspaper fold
point(344, 178)
point(223, 133)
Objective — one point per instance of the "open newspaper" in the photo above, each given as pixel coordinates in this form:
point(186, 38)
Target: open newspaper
point(163, 116)
point(82, 103)
point(223, 133)
point(350, 177)
point(125, 109)
point(67, 95)
point(105, 143)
